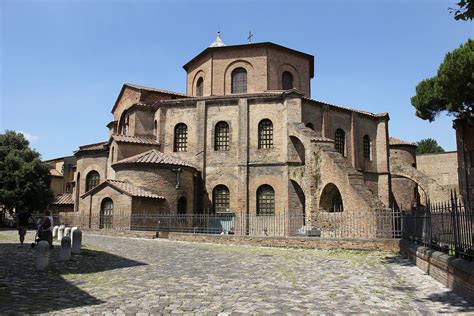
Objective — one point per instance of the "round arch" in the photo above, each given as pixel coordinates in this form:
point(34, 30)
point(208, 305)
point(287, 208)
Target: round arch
point(228, 72)
point(331, 199)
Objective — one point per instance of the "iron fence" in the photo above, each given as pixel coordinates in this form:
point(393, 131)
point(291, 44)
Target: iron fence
point(380, 224)
point(447, 227)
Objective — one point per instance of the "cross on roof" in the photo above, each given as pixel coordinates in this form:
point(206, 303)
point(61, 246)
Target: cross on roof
point(250, 37)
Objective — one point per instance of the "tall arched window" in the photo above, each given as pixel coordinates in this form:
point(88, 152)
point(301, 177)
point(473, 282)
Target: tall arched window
point(106, 213)
point(366, 147)
point(221, 136)
point(265, 200)
point(125, 125)
point(340, 141)
point(200, 87)
point(287, 80)
point(180, 137)
point(182, 206)
point(155, 128)
point(239, 80)
point(221, 199)
point(265, 134)
point(92, 180)
point(112, 154)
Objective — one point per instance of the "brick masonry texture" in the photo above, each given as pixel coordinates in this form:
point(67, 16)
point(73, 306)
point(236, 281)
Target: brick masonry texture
point(303, 168)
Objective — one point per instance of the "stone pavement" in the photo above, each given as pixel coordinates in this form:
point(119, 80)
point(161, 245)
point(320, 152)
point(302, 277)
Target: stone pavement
point(128, 275)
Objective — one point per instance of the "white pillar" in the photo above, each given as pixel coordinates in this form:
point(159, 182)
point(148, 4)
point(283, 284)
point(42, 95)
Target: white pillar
point(67, 231)
point(65, 253)
point(76, 241)
point(42, 255)
point(60, 232)
point(72, 234)
point(55, 231)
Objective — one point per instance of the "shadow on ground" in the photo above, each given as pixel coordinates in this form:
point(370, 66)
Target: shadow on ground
point(23, 289)
point(448, 298)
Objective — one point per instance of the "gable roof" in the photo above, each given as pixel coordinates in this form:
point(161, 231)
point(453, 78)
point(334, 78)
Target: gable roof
point(154, 157)
point(143, 88)
point(124, 188)
point(253, 45)
point(144, 140)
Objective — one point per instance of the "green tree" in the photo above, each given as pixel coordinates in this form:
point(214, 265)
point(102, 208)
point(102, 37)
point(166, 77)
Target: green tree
point(428, 146)
point(452, 89)
point(24, 178)
point(465, 11)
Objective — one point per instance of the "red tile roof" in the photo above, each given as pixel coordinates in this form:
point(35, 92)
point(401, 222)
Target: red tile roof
point(125, 188)
point(154, 157)
point(145, 140)
point(397, 141)
point(63, 199)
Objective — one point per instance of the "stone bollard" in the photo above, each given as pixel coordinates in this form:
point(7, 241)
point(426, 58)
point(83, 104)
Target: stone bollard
point(67, 231)
point(55, 231)
point(72, 234)
point(65, 253)
point(42, 255)
point(60, 232)
point(76, 241)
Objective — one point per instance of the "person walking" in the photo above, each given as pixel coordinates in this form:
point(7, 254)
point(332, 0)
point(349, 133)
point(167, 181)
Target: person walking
point(47, 228)
point(22, 224)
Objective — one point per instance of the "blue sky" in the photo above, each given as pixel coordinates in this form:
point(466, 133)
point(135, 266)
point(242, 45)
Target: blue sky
point(63, 62)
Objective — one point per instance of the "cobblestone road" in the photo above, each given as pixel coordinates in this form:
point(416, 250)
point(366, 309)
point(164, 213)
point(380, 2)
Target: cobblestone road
point(127, 275)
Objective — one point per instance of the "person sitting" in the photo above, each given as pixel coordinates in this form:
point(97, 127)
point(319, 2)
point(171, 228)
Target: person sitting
point(47, 228)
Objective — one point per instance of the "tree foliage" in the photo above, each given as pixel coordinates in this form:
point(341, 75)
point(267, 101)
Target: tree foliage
point(24, 178)
point(452, 89)
point(428, 146)
point(465, 11)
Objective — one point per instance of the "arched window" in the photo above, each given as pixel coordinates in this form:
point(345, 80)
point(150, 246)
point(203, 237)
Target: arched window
point(221, 136)
point(92, 180)
point(221, 199)
point(199, 87)
point(366, 147)
point(180, 137)
point(125, 125)
point(112, 154)
point(239, 80)
point(106, 213)
point(340, 141)
point(265, 200)
point(155, 128)
point(331, 200)
point(287, 80)
point(265, 134)
point(310, 125)
point(182, 206)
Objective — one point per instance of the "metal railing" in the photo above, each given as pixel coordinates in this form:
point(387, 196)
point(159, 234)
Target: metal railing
point(379, 224)
point(447, 227)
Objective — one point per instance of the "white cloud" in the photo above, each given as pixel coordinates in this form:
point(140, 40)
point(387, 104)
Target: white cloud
point(29, 137)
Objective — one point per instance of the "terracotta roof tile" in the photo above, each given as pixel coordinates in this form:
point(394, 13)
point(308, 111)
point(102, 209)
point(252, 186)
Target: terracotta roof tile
point(398, 141)
point(132, 190)
point(349, 109)
point(93, 147)
point(145, 140)
point(322, 139)
point(154, 157)
point(136, 86)
point(63, 199)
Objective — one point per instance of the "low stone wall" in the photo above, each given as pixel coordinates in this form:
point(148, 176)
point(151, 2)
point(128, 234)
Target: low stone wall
point(455, 273)
point(122, 233)
point(292, 242)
